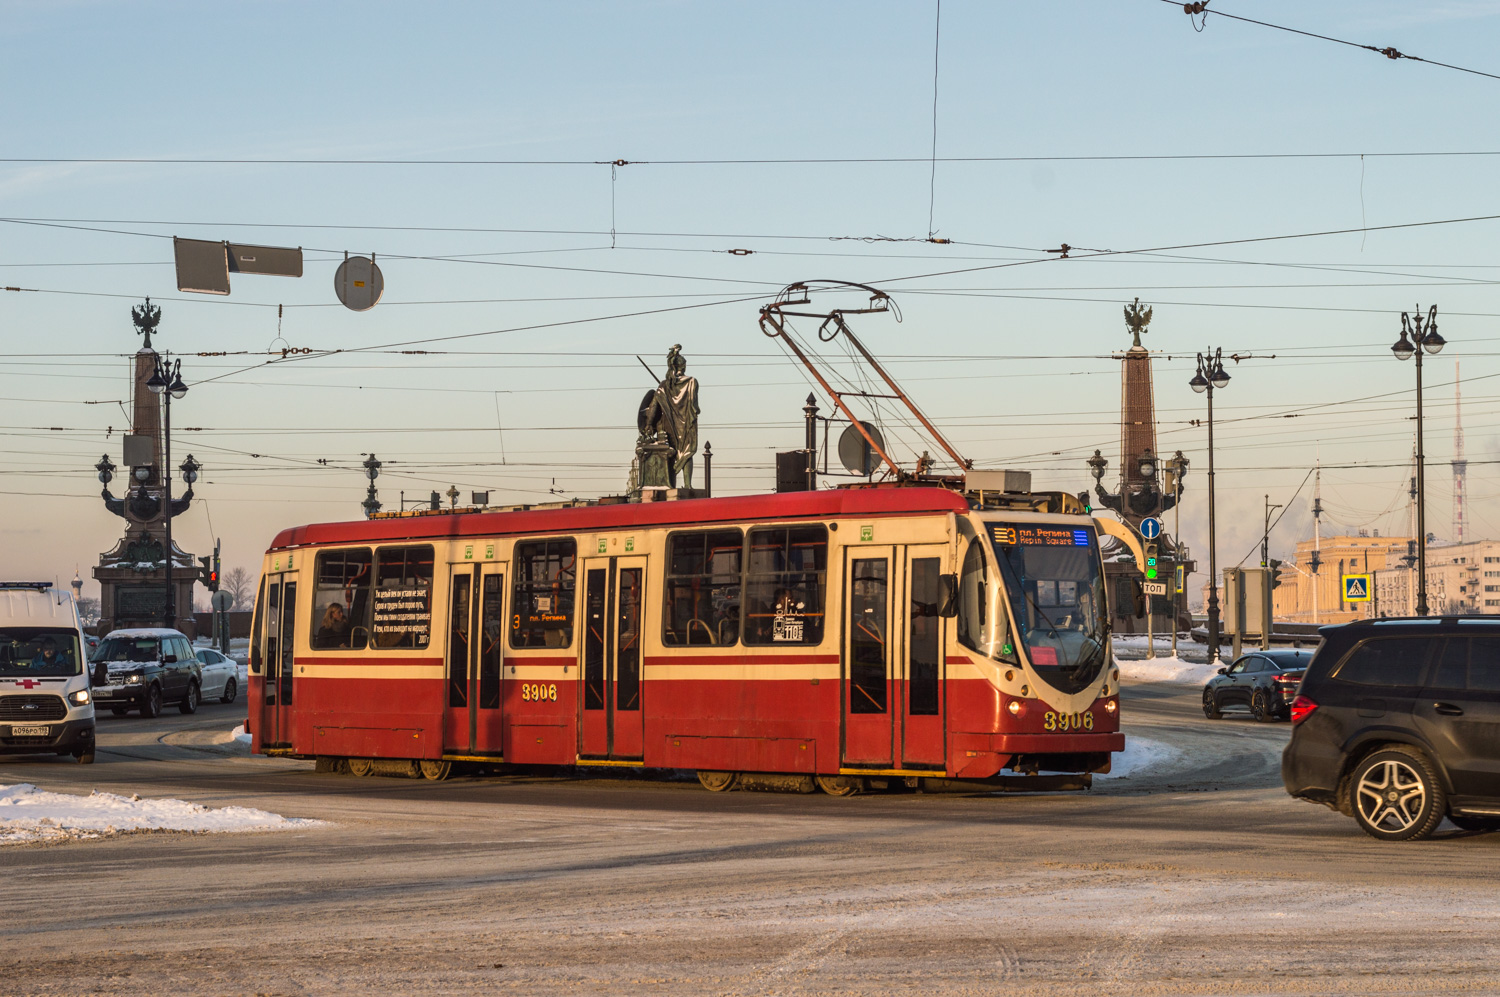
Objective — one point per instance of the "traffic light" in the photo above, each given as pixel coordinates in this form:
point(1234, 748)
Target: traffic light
point(1083, 500)
point(210, 573)
point(1275, 567)
point(1151, 562)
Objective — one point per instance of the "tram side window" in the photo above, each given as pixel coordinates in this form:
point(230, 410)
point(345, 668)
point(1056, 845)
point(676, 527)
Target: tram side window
point(784, 586)
point(703, 588)
point(341, 599)
point(401, 614)
point(542, 607)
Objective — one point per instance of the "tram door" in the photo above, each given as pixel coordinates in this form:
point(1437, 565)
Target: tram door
point(472, 716)
point(611, 721)
point(278, 642)
point(893, 657)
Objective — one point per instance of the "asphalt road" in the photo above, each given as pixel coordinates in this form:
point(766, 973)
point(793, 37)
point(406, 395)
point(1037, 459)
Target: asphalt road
point(1204, 878)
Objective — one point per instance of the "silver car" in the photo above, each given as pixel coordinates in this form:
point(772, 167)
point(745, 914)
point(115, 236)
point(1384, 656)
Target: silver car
point(220, 675)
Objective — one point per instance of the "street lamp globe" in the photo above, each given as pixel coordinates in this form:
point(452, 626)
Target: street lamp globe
point(1199, 383)
point(142, 473)
point(106, 469)
point(157, 384)
point(1433, 343)
point(178, 388)
point(1403, 348)
point(372, 467)
point(1148, 464)
point(190, 468)
point(1220, 376)
point(1097, 464)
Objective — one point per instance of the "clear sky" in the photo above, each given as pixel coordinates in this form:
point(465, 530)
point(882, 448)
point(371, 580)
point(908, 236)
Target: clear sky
point(1012, 360)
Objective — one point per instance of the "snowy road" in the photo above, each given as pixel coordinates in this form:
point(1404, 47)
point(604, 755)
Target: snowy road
point(1198, 878)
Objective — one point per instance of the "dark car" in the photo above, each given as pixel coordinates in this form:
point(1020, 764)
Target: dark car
point(1397, 724)
point(1264, 682)
point(143, 668)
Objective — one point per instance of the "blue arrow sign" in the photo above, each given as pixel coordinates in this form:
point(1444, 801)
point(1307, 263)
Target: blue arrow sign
point(1150, 528)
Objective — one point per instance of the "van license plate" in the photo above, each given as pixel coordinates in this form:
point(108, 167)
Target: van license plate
point(30, 731)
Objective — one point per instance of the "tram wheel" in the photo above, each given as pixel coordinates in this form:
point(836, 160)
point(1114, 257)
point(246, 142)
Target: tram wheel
point(718, 782)
point(361, 766)
point(839, 785)
point(437, 771)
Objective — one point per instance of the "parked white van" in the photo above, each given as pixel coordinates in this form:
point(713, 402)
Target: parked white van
point(45, 706)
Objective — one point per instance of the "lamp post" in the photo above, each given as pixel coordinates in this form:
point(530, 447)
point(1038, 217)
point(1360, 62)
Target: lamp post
point(372, 471)
point(1147, 467)
point(1424, 339)
point(1176, 467)
point(1211, 374)
point(166, 381)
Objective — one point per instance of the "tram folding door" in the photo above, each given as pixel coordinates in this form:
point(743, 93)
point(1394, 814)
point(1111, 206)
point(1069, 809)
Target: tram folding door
point(611, 723)
point(893, 666)
point(473, 691)
point(278, 641)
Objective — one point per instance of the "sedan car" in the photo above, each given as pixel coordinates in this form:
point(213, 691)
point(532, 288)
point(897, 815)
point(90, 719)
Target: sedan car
point(1264, 682)
point(220, 675)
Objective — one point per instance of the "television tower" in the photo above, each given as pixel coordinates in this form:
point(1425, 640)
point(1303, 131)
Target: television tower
point(1460, 466)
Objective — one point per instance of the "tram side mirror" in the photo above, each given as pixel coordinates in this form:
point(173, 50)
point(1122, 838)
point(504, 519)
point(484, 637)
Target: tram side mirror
point(948, 607)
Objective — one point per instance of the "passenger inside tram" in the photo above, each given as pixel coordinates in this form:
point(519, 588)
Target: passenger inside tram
point(334, 630)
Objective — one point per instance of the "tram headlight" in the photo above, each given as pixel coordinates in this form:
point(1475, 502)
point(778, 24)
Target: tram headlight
point(1015, 708)
point(1111, 706)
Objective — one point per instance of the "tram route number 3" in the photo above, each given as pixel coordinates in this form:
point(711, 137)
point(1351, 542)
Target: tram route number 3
point(533, 692)
point(1067, 721)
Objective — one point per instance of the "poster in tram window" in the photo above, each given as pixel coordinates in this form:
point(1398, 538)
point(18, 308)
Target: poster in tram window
point(401, 613)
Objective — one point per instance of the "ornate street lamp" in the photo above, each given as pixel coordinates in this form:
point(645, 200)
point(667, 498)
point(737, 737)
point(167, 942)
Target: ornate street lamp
point(1211, 375)
point(1148, 464)
point(372, 471)
point(106, 469)
point(1097, 464)
point(1424, 339)
point(166, 380)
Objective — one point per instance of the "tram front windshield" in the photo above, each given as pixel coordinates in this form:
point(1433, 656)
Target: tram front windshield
point(1056, 591)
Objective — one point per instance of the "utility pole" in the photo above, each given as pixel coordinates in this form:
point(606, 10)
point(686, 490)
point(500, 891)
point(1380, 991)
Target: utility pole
point(1316, 560)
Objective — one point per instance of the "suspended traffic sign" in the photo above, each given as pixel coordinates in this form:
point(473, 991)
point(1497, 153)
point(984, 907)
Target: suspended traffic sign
point(358, 283)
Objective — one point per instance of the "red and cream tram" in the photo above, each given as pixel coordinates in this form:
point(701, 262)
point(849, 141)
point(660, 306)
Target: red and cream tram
point(837, 638)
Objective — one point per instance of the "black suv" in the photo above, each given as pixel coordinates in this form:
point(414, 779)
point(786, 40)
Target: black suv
point(1263, 681)
point(1397, 724)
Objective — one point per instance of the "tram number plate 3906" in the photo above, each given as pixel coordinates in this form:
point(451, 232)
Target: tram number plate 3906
point(1067, 721)
point(537, 692)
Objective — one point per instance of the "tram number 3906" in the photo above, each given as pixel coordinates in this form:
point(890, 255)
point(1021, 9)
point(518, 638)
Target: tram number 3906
point(533, 692)
point(1067, 721)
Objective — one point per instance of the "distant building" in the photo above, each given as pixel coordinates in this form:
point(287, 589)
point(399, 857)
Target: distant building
point(1461, 578)
point(1311, 593)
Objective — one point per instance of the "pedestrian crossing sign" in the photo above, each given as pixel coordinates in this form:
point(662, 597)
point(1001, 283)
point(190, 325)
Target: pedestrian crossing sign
point(1356, 588)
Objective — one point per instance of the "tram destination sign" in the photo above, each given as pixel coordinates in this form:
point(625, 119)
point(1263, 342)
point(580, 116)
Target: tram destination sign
point(1038, 536)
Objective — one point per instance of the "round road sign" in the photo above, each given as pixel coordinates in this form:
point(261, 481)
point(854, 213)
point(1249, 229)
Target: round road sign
point(1150, 528)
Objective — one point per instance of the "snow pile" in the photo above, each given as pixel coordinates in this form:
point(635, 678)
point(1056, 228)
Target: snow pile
point(1167, 669)
point(31, 814)
point(1141, 754)
point(239, 735)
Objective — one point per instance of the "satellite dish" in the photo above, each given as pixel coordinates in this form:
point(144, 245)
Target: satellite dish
point(358, 283)
point(856, 454)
